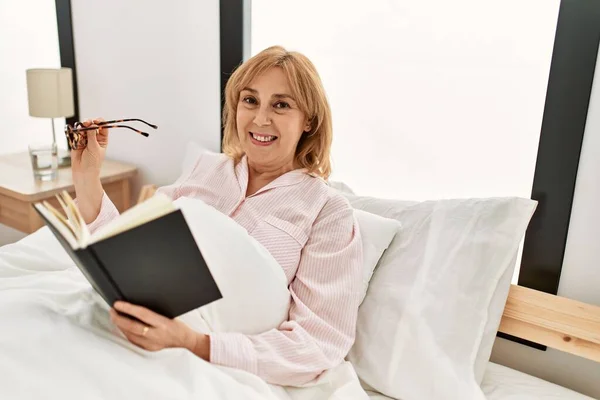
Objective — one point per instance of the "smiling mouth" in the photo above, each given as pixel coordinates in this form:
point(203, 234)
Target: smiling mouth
point(263, 138)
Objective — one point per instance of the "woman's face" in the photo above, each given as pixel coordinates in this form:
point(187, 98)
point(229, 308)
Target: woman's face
point(269, 123)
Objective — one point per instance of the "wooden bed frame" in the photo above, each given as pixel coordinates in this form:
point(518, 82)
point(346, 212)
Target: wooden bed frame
point(554, 321)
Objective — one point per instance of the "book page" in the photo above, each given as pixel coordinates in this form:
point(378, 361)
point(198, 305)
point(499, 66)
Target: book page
point(156, 206)
point(75, 217)
point(62, 219)
point(60, 226)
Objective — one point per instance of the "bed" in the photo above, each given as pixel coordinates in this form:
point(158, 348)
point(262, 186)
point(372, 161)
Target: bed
point(502, 383)
point(57, 341)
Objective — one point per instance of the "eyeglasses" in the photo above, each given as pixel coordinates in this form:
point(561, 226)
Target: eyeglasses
point(77, 135)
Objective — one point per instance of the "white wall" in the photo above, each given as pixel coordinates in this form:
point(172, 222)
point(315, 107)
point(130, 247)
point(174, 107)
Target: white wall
point(154, 60)
point(430, 99)
point(28, 39)
point(580, 278)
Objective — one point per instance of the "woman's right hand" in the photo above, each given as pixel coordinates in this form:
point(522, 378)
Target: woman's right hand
point(86, 162)
point(85, 167)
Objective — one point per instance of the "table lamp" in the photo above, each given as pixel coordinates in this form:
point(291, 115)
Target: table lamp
point(50, 95)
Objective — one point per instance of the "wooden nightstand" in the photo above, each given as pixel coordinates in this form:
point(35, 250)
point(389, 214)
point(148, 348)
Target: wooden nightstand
point(19, 190)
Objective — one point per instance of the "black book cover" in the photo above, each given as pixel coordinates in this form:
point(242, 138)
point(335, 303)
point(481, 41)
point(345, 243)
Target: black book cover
point(156, 265)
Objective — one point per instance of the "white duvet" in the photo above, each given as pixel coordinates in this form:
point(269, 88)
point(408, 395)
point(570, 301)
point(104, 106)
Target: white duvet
point(57, 342)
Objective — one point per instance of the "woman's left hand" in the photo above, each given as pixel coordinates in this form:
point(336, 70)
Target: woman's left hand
point(156, 332)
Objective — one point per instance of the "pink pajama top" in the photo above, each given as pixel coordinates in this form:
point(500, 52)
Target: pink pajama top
point(311, 231)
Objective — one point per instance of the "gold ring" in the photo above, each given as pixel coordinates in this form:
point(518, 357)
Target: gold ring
point(145, 331)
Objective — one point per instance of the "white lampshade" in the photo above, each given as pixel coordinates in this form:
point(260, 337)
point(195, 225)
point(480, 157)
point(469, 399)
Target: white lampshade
point(50, 92)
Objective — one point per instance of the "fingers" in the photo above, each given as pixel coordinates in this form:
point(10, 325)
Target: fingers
point(99, 138)
point(143, 314)
point(95, 139)
point(160, 329)
point(89, 122)
point(92, 140)
point(134, 332)
point(127, 325)
point(102, 131)
point(143, 342)
point(95, 122)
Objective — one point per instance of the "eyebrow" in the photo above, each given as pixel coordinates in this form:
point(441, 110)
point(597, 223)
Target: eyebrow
point(277, 96)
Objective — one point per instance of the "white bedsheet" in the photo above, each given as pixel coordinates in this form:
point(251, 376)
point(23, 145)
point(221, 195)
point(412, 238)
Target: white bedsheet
point(57, 342)
point(502, 383)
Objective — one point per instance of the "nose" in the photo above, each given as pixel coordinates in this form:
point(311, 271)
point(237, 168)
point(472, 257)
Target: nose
point(262, 117)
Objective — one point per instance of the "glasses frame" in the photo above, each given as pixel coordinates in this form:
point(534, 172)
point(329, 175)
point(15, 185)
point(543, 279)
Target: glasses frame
point(77, 134)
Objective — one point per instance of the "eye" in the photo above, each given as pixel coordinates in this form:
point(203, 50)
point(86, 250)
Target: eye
point(249, 100)
point(282, 105)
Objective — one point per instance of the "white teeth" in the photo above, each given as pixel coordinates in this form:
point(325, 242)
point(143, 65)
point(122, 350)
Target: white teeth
point(263, 138)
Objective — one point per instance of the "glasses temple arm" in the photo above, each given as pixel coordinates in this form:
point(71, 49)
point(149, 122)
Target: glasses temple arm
point(112, 126)
point(127, 120)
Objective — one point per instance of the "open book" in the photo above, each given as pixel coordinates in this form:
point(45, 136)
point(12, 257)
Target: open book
point(75, 230)
point(146, 256)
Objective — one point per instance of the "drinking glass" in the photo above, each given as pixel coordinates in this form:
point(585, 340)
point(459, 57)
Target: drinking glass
point(44, 161)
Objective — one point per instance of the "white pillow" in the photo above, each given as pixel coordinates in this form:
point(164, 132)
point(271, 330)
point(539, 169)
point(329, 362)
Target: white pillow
point(427, 310)
point(254, 286)
point(377, 233)
point(340, 186)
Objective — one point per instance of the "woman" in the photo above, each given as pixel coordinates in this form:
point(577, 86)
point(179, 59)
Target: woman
point(270, 180)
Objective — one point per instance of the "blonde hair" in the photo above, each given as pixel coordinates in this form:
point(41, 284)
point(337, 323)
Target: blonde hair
point(314, 147)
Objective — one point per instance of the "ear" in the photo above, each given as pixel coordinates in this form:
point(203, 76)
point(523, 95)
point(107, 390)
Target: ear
point(307, 127)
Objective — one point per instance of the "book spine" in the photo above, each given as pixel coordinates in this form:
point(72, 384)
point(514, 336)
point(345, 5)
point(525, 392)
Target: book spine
point(92, 267)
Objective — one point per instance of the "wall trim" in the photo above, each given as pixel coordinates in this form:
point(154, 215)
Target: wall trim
point(231, 16)
point(67, 48)
point(563, 125)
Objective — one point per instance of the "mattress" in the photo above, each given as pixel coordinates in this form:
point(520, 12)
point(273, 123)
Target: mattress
point(502, 383)
point(505, 383)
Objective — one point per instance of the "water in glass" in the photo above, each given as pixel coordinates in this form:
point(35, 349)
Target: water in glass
point(44, 161)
